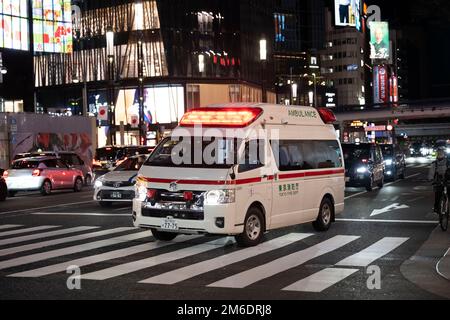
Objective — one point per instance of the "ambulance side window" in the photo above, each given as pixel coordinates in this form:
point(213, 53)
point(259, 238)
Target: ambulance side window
point(253, 157)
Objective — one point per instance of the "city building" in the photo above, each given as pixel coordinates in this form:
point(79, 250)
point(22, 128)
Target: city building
point(299, 35)
point(143, 64)
point(344, 62)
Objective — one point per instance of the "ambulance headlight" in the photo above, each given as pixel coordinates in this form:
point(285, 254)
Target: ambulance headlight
point(361, 170)
point(215, 197)
point(141, 190)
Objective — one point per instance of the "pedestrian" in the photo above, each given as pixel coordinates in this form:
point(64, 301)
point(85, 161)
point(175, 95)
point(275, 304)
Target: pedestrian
point(437, 174)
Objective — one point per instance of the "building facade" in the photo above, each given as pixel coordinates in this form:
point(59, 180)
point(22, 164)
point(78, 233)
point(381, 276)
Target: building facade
point(167, 57)
point(344, 63)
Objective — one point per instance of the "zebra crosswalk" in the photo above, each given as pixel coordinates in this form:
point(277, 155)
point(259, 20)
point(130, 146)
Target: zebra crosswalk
point(35, 252)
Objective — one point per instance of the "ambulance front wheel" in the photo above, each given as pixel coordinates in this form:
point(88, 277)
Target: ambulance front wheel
point(253, 229)
point(325, 216)
point(163, 236)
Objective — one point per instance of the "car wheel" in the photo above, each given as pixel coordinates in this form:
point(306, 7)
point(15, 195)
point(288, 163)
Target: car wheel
point(325, 216)
point(369, 186)
point(88, 180)
point(105, 204)
point(163, 236)
point(3, 194)
point(78, 185)
point(46, 188)
point(253, 229)
point(11, 194)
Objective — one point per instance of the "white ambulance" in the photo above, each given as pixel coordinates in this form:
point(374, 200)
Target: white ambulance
point(242, 169)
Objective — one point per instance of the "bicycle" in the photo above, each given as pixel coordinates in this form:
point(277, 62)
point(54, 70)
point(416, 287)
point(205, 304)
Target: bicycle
point(444, 207)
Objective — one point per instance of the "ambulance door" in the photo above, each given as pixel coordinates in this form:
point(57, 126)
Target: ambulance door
point(254, 183)
point(287, 184)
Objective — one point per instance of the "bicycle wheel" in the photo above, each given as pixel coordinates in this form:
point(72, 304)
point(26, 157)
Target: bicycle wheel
point(444, 213)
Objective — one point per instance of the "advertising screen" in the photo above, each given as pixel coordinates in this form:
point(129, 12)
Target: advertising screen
point(52, 26)
point(379, 40)
point(14, 24)
point(348, 13)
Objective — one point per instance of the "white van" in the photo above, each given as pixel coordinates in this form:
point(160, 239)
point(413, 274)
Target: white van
point(242, 169)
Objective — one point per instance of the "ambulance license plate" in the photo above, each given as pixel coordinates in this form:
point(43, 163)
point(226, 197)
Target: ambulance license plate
point(169, 224)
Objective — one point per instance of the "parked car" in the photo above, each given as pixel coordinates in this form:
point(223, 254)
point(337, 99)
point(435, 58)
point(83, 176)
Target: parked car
point(3, 189)
point(364, 165)
point(394, 161)
point(42, 174)
point(118, 185)
point(107, 158)
point(70, 158)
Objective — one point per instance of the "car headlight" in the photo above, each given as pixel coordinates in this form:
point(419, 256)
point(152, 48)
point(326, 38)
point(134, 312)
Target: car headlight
point(388, 162)
point(215, 197)
point(98, 184)
point(447, 150)
point(361, 170)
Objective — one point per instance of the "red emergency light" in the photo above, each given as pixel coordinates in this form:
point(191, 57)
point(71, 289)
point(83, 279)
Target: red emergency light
point(327, 115)
point(221, 117)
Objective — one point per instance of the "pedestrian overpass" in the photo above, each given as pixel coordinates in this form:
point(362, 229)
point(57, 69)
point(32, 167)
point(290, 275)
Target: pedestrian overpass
point(423, 109)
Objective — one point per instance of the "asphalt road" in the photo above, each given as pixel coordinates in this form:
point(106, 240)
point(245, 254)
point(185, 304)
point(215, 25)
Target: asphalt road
point(360, 257)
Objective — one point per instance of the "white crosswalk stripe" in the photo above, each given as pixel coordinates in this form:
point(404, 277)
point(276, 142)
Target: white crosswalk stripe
point(321, 280)
point(188, 272)
point(48, 243)
point(13, 232)
point(44, 235)
point(85, 261)
point(293, 260)
point(372, 253)
point(10, 226)
point(314, 283)
point(71, 250)
point(134, 266)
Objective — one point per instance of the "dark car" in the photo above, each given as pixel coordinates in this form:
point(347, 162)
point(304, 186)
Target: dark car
point(364, 165)
point(394, 161)
point(3, 189)
point(110, 157)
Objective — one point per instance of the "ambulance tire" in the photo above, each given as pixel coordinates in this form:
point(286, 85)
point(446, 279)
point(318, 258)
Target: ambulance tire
point(253, 229)
point(325, 216)
point(163, 236)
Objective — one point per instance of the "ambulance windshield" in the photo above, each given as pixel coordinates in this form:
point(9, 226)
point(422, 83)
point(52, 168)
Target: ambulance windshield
point(195, 152)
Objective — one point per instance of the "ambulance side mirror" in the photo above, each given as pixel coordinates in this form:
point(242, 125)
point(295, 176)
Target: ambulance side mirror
point(233, 173)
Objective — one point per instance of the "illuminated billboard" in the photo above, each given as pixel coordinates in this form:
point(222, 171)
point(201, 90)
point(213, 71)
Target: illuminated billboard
point(379, 40)
point(348, 13)
point(52, 26)
point(14, 24)
point(380, 85)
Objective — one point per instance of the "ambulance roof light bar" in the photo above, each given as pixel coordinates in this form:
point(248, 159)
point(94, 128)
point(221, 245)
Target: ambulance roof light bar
point(327, 115)
point(221, 117)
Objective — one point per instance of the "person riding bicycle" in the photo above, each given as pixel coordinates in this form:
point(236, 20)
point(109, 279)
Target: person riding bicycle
point(437, 174)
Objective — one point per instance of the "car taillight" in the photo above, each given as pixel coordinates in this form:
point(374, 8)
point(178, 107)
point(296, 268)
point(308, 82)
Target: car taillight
point(364, 160)
point(188, 196)
point(151, 194)
point(5, 174)
point(36, 173)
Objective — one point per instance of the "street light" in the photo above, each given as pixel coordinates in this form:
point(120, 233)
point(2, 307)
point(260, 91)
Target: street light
point(263, 59)
point(110, 55)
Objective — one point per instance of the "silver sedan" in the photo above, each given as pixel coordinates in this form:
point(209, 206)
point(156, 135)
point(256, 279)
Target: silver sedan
point(42, 174)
